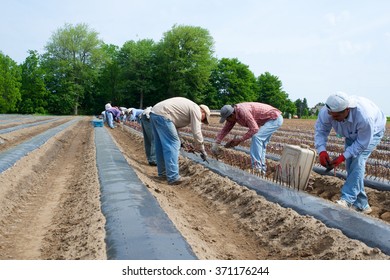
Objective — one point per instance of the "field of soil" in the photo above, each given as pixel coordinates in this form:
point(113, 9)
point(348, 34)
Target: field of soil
point(50, 206)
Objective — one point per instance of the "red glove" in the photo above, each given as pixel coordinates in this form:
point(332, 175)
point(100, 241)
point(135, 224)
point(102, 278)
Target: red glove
point(337, 161)
point(324, 159)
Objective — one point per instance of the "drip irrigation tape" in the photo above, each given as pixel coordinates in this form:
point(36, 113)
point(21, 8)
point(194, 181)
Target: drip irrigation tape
point(375, 184)
point(9, 157)
point(372, 232)
point(136, 226)
point(14, 128)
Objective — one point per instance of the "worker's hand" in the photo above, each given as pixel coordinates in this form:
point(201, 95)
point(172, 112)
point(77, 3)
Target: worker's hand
point(337, 161)
point(215, 148)
point(324, 159)
point(232, 143)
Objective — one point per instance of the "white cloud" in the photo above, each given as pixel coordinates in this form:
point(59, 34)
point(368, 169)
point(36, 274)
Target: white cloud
point(337, 18)
point(349, 48)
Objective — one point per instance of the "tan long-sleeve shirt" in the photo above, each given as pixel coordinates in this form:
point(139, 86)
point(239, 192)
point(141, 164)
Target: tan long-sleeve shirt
point(182, 112)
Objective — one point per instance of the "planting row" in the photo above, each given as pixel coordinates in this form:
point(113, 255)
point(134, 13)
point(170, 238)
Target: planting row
point(377, 168)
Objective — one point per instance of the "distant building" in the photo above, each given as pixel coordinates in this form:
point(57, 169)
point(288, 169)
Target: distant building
point(315, 109)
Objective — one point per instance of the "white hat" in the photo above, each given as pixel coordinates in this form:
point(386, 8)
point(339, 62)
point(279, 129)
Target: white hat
point(226, 111)
point(339, 102)
point(207, 111)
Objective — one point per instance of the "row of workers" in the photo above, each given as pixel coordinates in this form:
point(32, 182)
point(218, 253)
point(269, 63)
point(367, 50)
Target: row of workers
point(358, 120)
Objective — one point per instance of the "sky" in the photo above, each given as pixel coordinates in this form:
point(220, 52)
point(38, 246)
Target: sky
point(315, 48)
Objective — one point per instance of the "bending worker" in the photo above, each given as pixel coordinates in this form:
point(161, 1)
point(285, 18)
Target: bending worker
point(167, 116)
point(113, 114)
point(147, 132)
point(362, 124)
point(261, 119)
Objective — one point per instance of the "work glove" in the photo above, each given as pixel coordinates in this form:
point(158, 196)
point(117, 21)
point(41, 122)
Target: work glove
point(232, 143)
point(324, 159)
point(337, 161)
point(215, 148)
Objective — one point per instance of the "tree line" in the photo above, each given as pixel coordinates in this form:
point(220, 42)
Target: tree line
point(78, 73)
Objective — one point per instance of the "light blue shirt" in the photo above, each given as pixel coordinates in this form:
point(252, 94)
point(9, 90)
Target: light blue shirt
point(135, 113)
point(362, 123)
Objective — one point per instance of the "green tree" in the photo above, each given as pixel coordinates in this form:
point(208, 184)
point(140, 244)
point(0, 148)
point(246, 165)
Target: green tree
point(10, 77)
point(271, 92)
point(33, 91)
point(72, 60)
point(302, 108)
point(107, 85)
point(137, 62)
point(232, 83)
point(289, 109)
point(185, 56)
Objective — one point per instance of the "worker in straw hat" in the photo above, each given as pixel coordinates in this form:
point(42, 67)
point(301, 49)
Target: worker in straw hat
point(166, 117)
point(362, 124)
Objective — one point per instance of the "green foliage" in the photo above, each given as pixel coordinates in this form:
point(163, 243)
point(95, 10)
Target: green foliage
point(231, 82)
point(289, 108)
point(185, 62)
point(33, 91)
point(302, 108)
point(10, 77)
point(106, 87)
point(72, 61)
point(137, 64)
point(271, 92)
point(79, 74)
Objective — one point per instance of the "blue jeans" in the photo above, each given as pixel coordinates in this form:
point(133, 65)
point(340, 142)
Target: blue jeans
point(260, 141)
point(167, 144)
point(110, 119)
point(353, 189)
point(149, 145)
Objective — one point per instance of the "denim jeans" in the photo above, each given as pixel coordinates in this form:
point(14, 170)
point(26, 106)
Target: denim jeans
point(260, 141)
point(149, 145)
point(110, 119)
point(353, 189)
point(167, 144)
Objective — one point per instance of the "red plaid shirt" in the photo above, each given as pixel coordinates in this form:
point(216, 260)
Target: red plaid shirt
point(251, 115)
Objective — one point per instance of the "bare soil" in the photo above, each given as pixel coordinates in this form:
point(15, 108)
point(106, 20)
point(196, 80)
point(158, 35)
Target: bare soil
point(50, 207)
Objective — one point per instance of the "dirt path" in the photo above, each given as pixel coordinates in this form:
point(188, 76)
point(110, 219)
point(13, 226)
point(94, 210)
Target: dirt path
point(50, 209)
point(49, 201)
point(14, 138)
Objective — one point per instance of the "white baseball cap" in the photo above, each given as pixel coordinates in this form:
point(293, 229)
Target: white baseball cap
point(207, 111)
point(339, 102)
